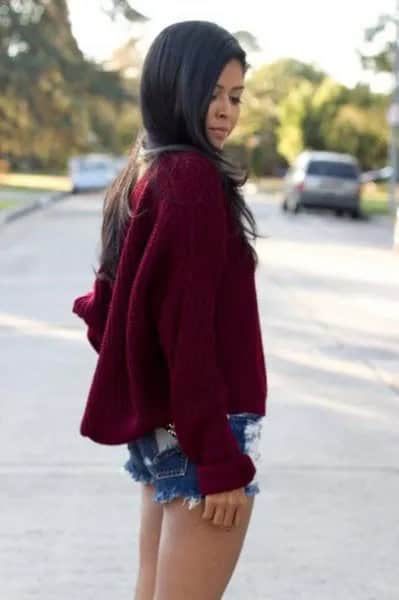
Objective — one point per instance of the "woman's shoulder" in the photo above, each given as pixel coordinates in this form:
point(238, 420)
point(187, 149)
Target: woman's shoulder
point(189, 174)
point(180, 165)
point(191, 160)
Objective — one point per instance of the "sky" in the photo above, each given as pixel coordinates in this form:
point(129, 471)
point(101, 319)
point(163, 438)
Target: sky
point(326, 34)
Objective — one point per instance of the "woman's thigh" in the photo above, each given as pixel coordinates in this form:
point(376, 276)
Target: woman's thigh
point(150, 528)
point(150, 533)
point(196, 558)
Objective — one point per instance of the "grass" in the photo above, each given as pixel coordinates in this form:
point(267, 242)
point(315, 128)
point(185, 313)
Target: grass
point(7, 204)
point(268, 184)
point(33, 182)
point(375, 198)
point(11, 189)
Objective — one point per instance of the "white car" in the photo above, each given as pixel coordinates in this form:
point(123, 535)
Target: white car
point(93, 171)
point(323, 179)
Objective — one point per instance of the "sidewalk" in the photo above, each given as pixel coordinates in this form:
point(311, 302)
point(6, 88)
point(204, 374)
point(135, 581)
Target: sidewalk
point(26, 202)
point(324, 526)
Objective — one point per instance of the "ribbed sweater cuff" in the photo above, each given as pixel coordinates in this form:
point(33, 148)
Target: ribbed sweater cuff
point(83, 307)
point(222, 477)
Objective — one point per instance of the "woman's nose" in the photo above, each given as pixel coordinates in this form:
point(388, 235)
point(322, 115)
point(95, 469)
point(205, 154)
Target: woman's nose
point(223, 106)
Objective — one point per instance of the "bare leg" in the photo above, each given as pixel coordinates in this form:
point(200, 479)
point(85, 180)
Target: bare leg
point(196, 558)
point(150, 532)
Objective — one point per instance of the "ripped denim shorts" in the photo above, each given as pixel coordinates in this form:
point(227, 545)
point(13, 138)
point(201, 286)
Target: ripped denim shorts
point(157, 458)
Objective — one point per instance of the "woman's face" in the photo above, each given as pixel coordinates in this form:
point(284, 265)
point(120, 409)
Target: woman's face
point(224, 107)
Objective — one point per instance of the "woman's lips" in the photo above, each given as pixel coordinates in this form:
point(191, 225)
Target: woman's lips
point(219, 133)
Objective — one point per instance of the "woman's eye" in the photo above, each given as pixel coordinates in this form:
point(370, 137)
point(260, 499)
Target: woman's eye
point(233, 99)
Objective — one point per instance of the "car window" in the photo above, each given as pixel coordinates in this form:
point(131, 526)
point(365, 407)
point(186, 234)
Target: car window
point(332, 169)
point(84, 166)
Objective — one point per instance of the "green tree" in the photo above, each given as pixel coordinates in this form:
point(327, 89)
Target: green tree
point(328, 96)
point(122, 8)
point(383, 33)
point(293, 111)
point(49, 90)
point(266, 88)
point(330, 116)
point(362, 132)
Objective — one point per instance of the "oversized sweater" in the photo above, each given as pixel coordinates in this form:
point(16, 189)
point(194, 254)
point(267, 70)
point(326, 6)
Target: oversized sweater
point(178, 332)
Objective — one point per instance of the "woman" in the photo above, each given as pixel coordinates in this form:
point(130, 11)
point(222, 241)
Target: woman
point(173, 314)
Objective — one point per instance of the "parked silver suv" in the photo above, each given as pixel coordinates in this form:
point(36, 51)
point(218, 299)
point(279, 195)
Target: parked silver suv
point(323, 180)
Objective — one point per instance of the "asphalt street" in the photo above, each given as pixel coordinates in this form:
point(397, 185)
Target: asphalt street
point(325, 526)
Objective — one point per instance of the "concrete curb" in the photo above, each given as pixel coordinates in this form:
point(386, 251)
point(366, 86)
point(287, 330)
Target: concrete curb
point(41, 203)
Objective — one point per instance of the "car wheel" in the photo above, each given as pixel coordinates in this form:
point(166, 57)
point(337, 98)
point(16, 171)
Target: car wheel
point(339, 212)
point(355, 213)
point(297, 207)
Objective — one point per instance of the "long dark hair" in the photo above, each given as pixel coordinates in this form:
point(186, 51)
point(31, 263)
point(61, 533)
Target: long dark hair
point(179, 74)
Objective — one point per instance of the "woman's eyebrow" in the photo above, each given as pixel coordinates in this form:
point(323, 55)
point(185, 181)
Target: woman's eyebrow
point(237, 87)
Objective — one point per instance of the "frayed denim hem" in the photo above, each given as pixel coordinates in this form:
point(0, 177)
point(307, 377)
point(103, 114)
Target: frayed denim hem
point(192, 499)
point(135, 475)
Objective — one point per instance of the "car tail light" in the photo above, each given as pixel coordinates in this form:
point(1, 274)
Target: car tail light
point(300, 186)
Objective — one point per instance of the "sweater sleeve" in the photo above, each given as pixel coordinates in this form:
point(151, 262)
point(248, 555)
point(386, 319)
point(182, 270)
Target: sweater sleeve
point(197, 390)
point(93, 309)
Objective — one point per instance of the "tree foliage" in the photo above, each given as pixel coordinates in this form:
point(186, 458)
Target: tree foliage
point(329, 116)
point(54, 102)
point(383, 32)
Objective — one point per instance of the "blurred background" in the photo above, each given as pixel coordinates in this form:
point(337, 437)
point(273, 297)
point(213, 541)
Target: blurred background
point(319, 133)
point(321, 79)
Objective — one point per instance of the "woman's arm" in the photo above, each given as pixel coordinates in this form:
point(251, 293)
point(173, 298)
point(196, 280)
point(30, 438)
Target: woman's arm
point(187, 331)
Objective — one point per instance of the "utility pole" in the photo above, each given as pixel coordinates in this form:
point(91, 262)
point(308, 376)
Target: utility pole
point(393, 120)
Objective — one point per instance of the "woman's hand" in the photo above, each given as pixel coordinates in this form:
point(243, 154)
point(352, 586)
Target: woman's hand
point(224, 509)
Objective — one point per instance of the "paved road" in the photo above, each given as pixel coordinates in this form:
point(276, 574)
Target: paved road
point(325, 526)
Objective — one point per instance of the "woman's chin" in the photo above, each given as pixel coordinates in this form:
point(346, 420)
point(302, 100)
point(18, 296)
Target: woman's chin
point(217, 143)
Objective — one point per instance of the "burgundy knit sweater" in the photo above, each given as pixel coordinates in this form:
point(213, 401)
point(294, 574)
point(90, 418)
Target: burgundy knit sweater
point(178, 333)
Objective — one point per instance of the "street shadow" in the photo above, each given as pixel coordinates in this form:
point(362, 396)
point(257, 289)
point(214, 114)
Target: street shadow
point(305, 282)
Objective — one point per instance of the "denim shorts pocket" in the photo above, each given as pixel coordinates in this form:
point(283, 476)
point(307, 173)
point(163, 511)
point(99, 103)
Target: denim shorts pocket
point(171, 462)
point(134, 454)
